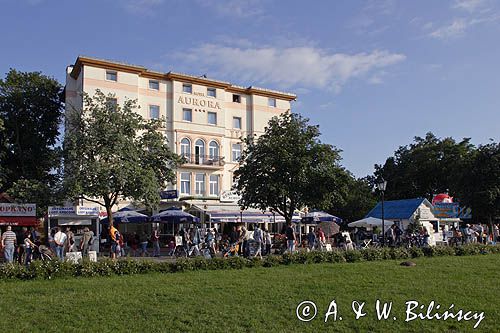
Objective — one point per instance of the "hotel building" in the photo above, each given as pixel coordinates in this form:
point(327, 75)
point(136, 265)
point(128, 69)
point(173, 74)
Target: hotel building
point(205, 118)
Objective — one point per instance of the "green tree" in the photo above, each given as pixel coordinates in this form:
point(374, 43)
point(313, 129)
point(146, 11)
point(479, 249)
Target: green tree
point(426, 167)
point(359, 200)
point(31, 109)
point(480, 183)
point(111, 152)
point(288, 167)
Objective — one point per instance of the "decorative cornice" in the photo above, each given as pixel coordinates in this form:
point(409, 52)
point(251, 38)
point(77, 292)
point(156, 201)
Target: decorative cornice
point(172, 76)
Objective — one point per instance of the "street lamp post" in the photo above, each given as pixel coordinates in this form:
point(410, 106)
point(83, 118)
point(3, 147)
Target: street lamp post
point(381, 185)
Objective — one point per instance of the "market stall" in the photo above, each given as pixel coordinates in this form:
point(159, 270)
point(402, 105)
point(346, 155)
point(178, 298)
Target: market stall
point(76, 219)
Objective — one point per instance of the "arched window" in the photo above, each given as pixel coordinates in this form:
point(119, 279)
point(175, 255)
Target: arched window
point(199, 151)
point(185, 148)
point(213, 150)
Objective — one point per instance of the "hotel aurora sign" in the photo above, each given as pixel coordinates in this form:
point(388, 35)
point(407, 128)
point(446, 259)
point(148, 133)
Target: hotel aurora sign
point(229, 196)
point(194, 101)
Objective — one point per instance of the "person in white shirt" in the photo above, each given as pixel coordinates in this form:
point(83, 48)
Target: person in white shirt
point(60, 239)
point(257, 237)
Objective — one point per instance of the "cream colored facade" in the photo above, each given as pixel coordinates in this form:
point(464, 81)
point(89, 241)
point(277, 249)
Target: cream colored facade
point(210, 148)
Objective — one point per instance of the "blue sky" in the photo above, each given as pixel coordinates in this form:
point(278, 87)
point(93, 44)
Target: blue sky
point(372, 74)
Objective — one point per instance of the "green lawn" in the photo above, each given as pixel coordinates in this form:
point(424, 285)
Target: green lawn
point(257, 299)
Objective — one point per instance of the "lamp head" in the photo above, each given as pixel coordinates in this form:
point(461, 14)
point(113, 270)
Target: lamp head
point(381, 184)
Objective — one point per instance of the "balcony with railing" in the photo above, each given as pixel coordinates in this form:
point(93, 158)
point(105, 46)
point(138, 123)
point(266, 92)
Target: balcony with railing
point(203, 160)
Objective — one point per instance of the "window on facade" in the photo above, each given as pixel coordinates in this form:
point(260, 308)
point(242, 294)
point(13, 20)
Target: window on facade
point(187, 88)
point(200, 184)
point(154, 112)
point(213, 150)
point(199, 151)
point(185, 148)
point(237, 122)
point(112, 102)
point(153, 84)
point(211, 92)
point(212, 118)
point(111, 76)
point(236, 152)
point(214, 185)
point(187, 114)
point(271, 102)
point(236, 98)
point(185, 183)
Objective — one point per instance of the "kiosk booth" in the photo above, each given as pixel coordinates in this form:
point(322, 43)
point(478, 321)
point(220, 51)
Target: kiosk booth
point(75, 218)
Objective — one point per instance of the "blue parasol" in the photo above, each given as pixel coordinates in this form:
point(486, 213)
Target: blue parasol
point(174, 215)
point(126, 215)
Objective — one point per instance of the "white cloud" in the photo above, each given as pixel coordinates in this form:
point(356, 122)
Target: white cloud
point(142, 7)
point(289, 66)
point(455, 29)
point(235, 8)
point(469, 5)
point(459, 26)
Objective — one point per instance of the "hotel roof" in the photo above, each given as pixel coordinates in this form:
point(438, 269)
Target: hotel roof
point(143, 71)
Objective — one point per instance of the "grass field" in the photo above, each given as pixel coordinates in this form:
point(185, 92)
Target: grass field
point(258, 299)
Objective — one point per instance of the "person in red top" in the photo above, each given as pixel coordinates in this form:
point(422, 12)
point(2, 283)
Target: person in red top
point(321, 238)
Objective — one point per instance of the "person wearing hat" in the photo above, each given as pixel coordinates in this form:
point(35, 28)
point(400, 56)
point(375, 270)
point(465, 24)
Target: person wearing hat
point(9, 240)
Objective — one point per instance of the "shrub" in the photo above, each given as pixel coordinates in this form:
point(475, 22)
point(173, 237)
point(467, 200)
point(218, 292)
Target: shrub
point(272, 261)
point(353, 255)
point(416, 252)
point(335, 256)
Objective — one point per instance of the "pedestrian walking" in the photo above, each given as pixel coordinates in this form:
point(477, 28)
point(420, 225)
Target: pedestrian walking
point(290, 237)
point(155, 239)
point(9, 241)
point(258, 238)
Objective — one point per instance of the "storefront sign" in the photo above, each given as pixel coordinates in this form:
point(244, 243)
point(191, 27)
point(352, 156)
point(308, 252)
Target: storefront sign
point(170, 194)
point(68, 211)
point(451, 210)
point(12, 209)
point(229, 196)
point(87, 211)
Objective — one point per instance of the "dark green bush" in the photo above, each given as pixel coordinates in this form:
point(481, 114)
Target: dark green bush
point(106, 267)
point(272, 261)
point(353, 255)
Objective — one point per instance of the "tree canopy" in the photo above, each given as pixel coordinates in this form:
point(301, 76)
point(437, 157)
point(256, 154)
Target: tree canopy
point(30, 112)
point(426, 167)
point(111, 152)
point(288, 168)
point(432, 165)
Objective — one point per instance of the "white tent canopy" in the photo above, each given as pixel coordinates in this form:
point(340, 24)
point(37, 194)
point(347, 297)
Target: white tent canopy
point(370, 222)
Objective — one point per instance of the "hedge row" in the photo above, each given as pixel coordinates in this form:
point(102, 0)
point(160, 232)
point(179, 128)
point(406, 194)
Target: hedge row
point(61, 269)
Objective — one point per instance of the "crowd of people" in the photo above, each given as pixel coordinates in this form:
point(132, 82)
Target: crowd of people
point(253, 241)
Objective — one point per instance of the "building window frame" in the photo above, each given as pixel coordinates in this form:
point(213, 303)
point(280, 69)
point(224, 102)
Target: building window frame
point(237, 123)
point(213, 150)
point(271, 102)
point(111, 75)
point(186, 111)
point(214, 185)
point(236, 98)
point(199, 184)
point(187, 88)
point(209, 113)
point(236, 149)
point(211, 92)
point(185, 183)
point(151, 107)
point(185, 147)
point(154, 82)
